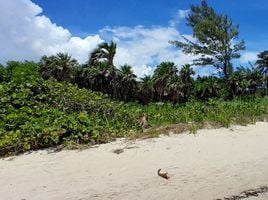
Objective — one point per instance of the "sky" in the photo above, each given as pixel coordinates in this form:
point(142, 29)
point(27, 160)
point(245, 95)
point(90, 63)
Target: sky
point(141, 29)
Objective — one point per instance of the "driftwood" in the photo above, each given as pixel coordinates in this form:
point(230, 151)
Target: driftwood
point(163, 175)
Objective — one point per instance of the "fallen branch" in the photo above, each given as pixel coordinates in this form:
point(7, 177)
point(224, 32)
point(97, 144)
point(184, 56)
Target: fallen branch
point(163, 175)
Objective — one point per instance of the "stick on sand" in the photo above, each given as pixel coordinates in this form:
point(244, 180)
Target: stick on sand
point(163, 175)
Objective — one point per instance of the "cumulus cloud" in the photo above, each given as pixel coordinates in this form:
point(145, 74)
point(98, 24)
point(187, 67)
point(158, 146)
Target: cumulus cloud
point(143, 47)
point(27, 34)
point(249, 56)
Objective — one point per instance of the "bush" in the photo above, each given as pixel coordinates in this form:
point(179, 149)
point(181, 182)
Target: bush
point(47, 113)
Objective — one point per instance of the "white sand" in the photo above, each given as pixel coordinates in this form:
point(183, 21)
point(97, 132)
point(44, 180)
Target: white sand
point(212, 164)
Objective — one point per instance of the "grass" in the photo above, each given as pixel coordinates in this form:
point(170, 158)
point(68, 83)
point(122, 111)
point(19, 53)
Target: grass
point(166, 118)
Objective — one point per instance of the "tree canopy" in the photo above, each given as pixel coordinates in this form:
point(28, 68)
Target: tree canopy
point(262, 66)
point(214, 38)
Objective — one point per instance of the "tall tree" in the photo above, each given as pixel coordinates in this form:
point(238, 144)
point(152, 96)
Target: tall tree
point(174, 89)
point(186, 74)
point(104, 52)
point(163, 74)
point(214, 38)
point(128, 83)
point(146, 93)
point(262, 66)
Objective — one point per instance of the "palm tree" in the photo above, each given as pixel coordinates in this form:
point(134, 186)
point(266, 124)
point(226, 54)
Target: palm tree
point(146, 93)
point(238, 82)
point(186, 74)
point(128, 83)
point(79, 76)
point(104, 52)
point(255, 79)
point(262, 66)
point(245, 80)
point(96, 77)
point(58, 66)
point(175, 89)
point(162, 75)
point(207, 87)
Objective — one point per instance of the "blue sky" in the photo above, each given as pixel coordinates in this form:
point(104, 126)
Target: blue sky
point(142, 29)
point(90, 16)
point(86, 17)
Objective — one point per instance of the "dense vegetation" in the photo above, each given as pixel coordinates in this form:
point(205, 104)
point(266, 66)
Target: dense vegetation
point(58, 101)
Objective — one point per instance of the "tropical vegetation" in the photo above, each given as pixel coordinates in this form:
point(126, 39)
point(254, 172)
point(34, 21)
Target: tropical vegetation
point(60, 102)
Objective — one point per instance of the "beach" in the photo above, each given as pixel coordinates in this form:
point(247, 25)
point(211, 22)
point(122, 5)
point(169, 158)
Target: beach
point(212, 164)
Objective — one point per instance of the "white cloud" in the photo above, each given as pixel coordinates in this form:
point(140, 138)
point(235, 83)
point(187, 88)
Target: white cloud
point(146, 47)
point(249, 56)
point(180, 15)
point(27, 34)
point(183, 13)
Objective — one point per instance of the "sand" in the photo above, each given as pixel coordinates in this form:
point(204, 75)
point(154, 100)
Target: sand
point(212, 164)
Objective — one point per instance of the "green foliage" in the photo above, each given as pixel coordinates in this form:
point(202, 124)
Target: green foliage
point(37, 113)
point(42, 114)
point(20, 72)
point(187, 81)
point(244, 81)
point(210, 87)
point(164, 76)
point(105, 52)
point(214, 34)
point(3, 74)
point(127, 79)
point(48, 113)
point(219, 112)
point(262, 67)
point(61, 67)
point(146, 90)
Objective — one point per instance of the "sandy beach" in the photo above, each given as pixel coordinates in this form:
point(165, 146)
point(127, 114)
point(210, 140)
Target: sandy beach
point(212, 164)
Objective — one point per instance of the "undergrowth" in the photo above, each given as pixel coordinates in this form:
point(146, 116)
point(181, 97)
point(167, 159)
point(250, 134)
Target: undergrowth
point(44, 114)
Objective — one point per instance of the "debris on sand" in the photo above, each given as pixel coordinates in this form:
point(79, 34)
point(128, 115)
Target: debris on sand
point(163, 175)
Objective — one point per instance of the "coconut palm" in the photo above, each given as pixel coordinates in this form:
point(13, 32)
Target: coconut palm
point(128, 83)
point(162, 76)
point(238, 83)
point(175, 89)
point(97, 77)
point(244, 81)
point(104, 52)
point(186, 74)
point(262, 66)
point(146, 89)
point(58, 66)
point(207, 87)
